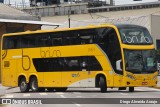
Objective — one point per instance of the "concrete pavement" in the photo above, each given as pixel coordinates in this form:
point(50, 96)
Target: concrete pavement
point(4, 90)
point(84, 93)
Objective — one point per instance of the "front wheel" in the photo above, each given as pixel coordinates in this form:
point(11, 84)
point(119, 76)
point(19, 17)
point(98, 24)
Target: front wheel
point(24, 87)
point(34, 84)
point(131, 89)
point(102, 84)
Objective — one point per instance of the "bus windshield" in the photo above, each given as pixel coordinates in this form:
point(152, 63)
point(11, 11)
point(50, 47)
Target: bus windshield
point(135, 36)
point(140, 61)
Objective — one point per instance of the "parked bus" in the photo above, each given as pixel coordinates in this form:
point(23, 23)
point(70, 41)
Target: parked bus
point(102, 56)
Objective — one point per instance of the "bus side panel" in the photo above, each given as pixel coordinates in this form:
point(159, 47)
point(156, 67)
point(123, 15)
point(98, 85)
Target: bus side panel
point(9, 68)
point(16, 65)
point(70, 78)
point(118, 79)
point(13, 72)
point(6, 72)
point(52, 79)
point(28, 68)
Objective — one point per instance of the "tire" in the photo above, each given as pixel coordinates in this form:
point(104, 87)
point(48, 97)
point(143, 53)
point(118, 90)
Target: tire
point(102, 84)
point(34, 84)
point(60, 89)
point(50, 89)
point(24, 87)
point(131, 89)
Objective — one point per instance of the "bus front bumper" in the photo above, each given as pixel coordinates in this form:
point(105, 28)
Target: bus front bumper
point(140, 83)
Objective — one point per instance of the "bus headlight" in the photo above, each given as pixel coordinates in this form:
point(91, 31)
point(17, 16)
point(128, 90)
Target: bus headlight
point(155, 77)
point(131, 77)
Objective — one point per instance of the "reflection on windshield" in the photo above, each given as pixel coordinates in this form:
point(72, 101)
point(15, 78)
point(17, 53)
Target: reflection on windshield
point(140, 61)
point(135, 36)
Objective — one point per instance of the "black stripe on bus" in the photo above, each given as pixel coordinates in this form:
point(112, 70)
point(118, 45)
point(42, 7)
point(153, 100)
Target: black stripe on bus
point(57, 64)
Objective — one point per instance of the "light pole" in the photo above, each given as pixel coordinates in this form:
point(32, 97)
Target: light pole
point(69, 19)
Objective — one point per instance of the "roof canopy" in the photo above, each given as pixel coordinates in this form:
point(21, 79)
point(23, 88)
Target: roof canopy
point(29, 22)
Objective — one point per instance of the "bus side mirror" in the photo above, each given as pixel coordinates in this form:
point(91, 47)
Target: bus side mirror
point(119, 65)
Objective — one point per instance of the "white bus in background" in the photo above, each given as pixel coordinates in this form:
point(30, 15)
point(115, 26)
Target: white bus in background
point(18, 3)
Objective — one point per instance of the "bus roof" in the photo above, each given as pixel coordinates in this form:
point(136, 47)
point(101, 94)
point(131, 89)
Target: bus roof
point(128, 25)
point(76, 28)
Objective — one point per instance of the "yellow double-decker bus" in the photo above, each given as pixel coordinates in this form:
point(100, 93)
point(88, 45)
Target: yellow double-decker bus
point(102, 56)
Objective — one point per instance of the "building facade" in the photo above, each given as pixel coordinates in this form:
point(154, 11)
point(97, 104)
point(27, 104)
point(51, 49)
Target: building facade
point(123, 2)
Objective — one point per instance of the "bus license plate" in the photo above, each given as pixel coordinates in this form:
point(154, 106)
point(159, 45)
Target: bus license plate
point(144, 83)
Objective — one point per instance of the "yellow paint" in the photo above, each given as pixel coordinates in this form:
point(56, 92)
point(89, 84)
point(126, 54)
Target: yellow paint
point(64, 79)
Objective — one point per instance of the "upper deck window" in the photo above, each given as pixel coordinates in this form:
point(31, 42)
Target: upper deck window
point(135, 35)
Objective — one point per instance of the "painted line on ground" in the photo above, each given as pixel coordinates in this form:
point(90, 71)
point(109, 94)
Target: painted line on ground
point(9, 96)
point(78, 105)
point(123, 94)
point(94, 95)
point(43, 93)
point(26, 95)
point(59, 93)
point(154, 89)
point(62, 96)
point(76, 93)
point(140, 90)
point(147, 89)
point(79, 96)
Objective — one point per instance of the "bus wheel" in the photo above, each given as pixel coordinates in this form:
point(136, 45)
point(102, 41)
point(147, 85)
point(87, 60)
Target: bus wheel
point(102, 84)
point(34, 84)
point(60, 89)
point(131, 89)
point(50, 89)
point(24, 87)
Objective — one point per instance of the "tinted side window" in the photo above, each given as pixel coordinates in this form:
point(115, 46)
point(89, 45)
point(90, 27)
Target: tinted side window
point(72, 64)
point(28, 41)
point(75, 37)
point(48, 64)
point(57, 41)
point(10, 42)
point(111, 46)
point(67, 64)
point(71, 40)
point(86, 39)
point(58, 64)
point(42, 40)
point(94, 65)
point(5, 43)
